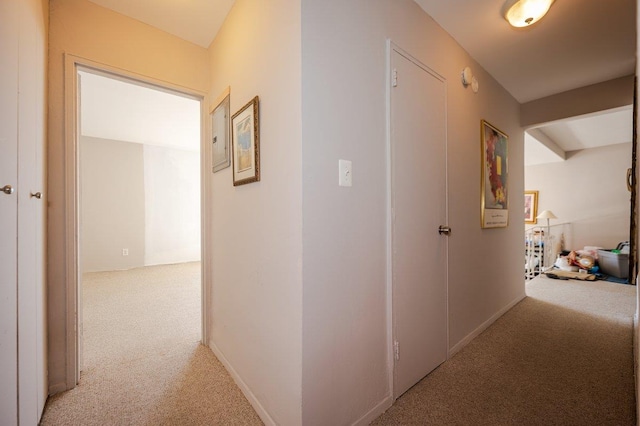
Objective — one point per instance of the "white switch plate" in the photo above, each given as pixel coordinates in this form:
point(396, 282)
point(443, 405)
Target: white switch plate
point(125, 252)
point(345, 177)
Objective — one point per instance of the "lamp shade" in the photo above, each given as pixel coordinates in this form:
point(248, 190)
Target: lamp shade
point(522, 13)
point(547, 214)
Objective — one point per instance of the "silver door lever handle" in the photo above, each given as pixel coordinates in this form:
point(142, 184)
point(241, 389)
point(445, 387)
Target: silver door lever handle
point(7, 189)
point(444, 230)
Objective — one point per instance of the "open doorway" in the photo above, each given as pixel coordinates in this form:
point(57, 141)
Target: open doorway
point(577, 171)
point(139, 245)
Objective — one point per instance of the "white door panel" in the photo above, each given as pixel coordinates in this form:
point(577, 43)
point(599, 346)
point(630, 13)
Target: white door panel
point(418, 198)
point(8, 210)
point(22, 324)
point(30, 288)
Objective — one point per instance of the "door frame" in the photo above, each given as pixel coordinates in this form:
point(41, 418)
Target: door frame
point(392, 47)
point(72, 64)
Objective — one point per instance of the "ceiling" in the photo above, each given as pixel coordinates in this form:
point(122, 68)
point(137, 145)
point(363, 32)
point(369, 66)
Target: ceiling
point(120, 110)
point(578, 43)
point(197, 21)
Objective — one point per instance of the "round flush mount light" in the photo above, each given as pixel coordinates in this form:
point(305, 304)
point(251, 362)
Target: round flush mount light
point(523, 13)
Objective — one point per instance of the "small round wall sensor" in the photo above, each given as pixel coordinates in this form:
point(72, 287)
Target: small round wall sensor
point(474, 84)
point(467, 75)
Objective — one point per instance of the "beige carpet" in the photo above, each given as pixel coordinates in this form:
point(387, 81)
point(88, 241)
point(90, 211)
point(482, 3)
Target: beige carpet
point(143, 363)
point(563, 356)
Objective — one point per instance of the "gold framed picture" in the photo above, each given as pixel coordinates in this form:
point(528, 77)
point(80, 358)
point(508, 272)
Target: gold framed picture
point(495, 173)
point(530, 207)
point(245, 127)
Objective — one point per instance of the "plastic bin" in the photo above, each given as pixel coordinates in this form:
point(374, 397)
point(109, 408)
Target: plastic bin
point(616, 264)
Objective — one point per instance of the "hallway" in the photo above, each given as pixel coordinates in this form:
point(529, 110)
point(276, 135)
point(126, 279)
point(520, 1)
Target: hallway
point(564, 355)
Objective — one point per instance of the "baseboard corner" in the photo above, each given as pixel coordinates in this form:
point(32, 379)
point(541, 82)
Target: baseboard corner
point(375, 412)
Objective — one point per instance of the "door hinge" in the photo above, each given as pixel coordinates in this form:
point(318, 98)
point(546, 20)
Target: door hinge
point(394, 78)
point(396, 351)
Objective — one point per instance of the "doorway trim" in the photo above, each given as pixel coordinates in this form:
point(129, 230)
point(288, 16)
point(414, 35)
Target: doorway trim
point(72, 64)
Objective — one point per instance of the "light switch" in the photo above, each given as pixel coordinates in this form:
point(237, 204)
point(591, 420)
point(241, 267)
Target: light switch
point(345, 177)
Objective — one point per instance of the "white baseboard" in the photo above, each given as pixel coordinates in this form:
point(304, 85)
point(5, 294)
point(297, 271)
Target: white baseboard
point(475, 333)
point(375, 412)
point(260, 410)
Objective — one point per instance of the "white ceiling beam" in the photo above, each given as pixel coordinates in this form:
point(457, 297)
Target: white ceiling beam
point(549, 143)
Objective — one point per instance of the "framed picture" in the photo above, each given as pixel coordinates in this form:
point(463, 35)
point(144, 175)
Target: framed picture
point(530, 207)
point(495, 172)
point(245, 139)
point(220, 134)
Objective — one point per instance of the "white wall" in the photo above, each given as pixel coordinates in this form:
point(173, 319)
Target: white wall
point(112, 209)
point(82, 28)
point(345, 345)
point(588, 193)
point(172, 205)
point(256, 228)
point(138, 197)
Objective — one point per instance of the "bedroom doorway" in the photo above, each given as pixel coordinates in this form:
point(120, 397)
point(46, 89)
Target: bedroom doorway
point(594, 151)
point(143, 224)
point(139, 215)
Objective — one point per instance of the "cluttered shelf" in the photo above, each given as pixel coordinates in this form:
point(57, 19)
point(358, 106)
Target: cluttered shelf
point(592, 263)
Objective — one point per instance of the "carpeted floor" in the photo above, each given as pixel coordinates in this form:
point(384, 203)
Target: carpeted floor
point(143, 363)
point(563, 356)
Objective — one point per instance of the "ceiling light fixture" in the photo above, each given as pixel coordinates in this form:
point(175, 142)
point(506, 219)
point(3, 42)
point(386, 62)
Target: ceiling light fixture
point(523, 13)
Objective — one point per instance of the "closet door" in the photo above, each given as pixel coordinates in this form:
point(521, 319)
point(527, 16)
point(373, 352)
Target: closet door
point(31, 325)
point(8, 211)
point(23, 386)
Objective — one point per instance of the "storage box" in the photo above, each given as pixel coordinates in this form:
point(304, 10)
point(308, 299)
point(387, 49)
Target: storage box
point(616, 264)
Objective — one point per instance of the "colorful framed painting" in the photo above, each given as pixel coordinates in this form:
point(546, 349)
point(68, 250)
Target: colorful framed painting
point(220, 134)
point(530, 207)
point(246, 143)
point(495, 173)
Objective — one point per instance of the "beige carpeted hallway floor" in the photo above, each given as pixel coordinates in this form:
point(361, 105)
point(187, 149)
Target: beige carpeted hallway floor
point(143, 361)
point(563, 356)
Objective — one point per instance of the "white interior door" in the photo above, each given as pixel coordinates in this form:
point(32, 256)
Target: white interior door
point(8, 211)
point(418, 203)
point(31, 324)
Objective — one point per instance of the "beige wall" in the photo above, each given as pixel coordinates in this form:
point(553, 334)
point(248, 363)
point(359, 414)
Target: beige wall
point(112, 204)
point(172, 205)
point(84, 29)
point(344, 68)
point(256, 228)
point(587, 192)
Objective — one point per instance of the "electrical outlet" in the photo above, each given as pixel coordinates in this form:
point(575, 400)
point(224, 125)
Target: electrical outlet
point(125, 252)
